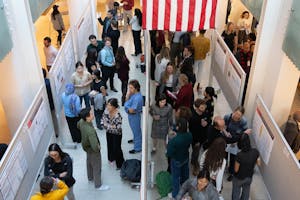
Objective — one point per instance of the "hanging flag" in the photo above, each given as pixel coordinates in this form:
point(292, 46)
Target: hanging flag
point(179, 15)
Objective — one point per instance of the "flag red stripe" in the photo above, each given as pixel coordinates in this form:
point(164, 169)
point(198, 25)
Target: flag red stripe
point(167, 14)
point(179, 15)
point(191, 14)
point(155, 15)
point(203, 12)
point(213, 14)
point(144, 13)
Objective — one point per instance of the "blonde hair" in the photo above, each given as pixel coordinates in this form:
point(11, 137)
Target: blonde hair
point(183, 78)
point(166, 75)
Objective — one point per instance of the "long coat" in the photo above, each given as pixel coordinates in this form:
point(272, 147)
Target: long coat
point(160, 128)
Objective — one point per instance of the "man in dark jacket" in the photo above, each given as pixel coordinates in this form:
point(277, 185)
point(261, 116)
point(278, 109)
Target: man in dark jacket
point(114, 35)
point(106, 23)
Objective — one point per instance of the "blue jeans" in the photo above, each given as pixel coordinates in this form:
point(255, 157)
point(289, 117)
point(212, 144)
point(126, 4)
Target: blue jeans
point(86, 98)
point(135, 125)
point(180, 173)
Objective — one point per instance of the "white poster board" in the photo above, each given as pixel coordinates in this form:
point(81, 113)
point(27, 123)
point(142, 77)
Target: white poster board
point(220, 55)
point(84, 29)
point(262, 134)
point(233, 77)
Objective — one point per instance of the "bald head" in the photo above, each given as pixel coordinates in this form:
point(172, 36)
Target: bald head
point(219, 123)
point(296, 116)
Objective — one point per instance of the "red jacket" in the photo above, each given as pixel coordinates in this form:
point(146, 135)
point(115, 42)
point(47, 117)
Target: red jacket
point(129, 5)
point(184, 96)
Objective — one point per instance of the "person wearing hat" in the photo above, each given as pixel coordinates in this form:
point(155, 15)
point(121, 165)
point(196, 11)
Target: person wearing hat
point(57, 22)
point(47, 192)
point(72, 106)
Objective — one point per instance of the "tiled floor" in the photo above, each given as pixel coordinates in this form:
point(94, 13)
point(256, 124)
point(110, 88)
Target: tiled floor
point(121, 189)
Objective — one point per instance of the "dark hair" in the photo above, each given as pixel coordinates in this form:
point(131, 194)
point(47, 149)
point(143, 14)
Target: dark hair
point(44, 72)
point(203, 31)
point(56, 147)
point(135, 84)
point(114, 23)
point(46, 185)
point(92, 37)
point(160, 98)
point(97, 73)
point(245, 12)
point(48, 39)
point(120, 55)
point(211, 92)
point(204, 173)
point(113, 102)
point(198, 102)
point(79, 63)
point(244, 143)
point(240, 109)
point(55, 11)
point(190, 48)
point(252, 36)
point(84, 113)
point(185, 112)
point(138, 14)
point(215, 154)
point(181, 125)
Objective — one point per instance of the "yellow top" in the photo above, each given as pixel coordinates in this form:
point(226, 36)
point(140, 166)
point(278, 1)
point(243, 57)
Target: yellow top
point(58, 194)
point(201, 45)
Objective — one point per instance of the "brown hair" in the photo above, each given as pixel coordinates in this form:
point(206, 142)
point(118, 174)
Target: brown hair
point(165, 76)
point(164, 53)
point(198, 102)
point(215, 154)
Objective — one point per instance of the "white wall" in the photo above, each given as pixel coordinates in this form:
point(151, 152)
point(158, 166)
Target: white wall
point(20, 73)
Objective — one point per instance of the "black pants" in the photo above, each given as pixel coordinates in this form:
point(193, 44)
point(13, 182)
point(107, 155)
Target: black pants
point(108, 73)
point(114, 151)
point(124, 90)
point(231, 164)
point(195, 156)
point(137, 41)
point(59, 36)
point(75, 132)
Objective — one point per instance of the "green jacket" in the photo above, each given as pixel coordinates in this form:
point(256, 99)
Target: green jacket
point(178, 147)
point(89, 139)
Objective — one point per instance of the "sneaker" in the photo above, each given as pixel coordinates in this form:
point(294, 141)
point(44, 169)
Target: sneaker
point(134, 151)
point(103, 188)
point(229, 178)
point(130, 141)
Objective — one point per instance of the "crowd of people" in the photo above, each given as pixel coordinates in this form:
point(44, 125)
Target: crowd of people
point(183, 116)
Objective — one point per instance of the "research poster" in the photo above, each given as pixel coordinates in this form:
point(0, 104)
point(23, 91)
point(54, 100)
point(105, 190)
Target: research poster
point(69, 53)
point(262, 134)
point(220, 56)
point(233, 78)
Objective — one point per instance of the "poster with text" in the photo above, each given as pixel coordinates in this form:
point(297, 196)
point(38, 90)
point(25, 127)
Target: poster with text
point(233, 78)
point(220, 56)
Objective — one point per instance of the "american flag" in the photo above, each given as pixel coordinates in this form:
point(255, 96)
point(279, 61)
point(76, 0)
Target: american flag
point(179, 15)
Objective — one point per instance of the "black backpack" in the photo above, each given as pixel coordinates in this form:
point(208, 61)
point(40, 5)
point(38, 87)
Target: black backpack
point(131, 170)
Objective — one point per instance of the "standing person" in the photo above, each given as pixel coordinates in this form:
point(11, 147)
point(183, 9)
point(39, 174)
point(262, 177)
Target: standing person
point(122, 66)
point(184, 96)
point(230, 38)
point(161, 113)
point(201, 45)
point(136, 26)
point(106, 23)
point(99, 105)
point(209, 95)
point(58, 164)
point(127, 12)
point(47, 190)
point(176, 48)
point(168, 82)
point(94, 44)
point(112, 121)
point(97, 81)
point(186, 65)
point(134, 108)
point(244, 169)
point(213, 159)
point(82, 81)
point(178, 151)
point(107, 58)
point(161, 61)
point(198, 124)
point(114, 35)
point(91, 145)
point(199, 188)
point(50, 52)
point(244, 27)
point(72, 106)
point(236, 125)
point(91, 59)
point(58, 23)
